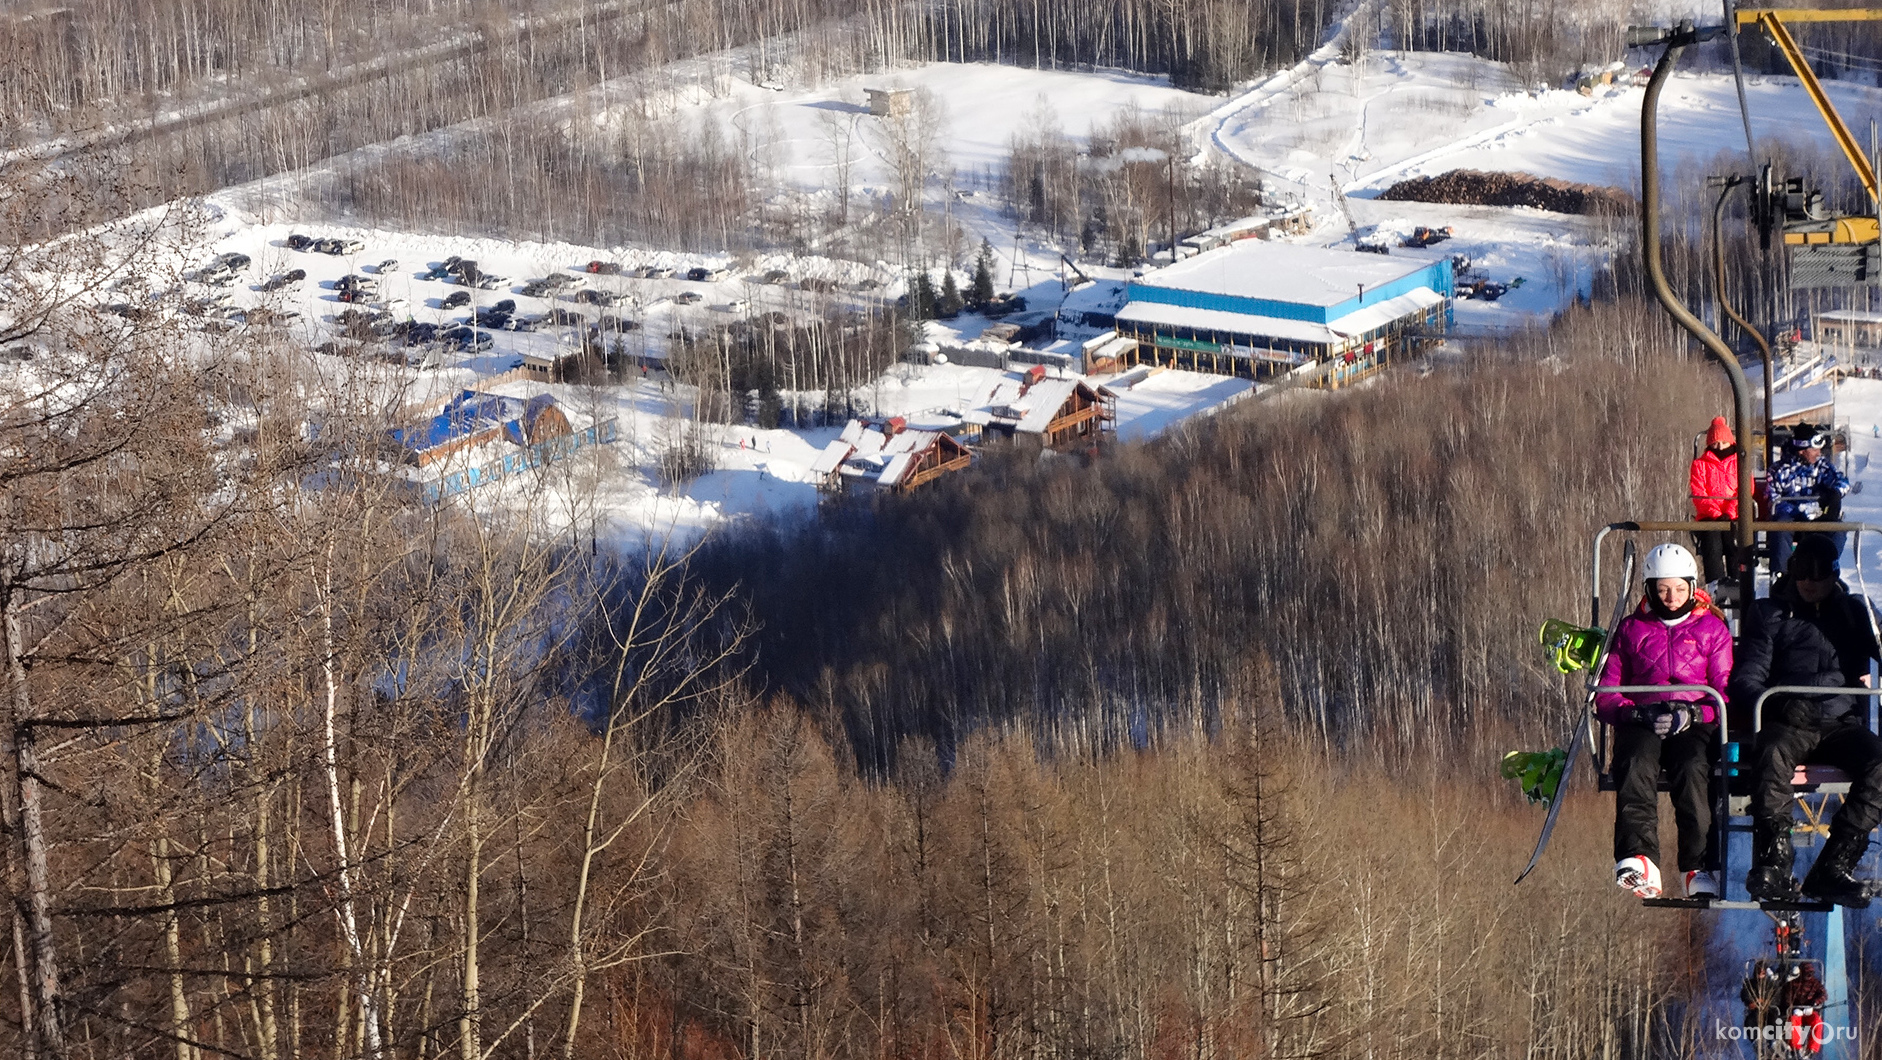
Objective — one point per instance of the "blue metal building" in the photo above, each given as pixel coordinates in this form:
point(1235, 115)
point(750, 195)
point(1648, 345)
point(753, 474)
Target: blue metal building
point(1262, 310)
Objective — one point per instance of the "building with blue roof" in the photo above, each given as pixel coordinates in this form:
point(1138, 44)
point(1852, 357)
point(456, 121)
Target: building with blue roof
point(1262, 310)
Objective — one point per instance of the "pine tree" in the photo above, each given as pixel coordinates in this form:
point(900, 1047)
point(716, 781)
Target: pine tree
point(1129, 253)
point(950, 303)
point(980, 292)
point(922, 303)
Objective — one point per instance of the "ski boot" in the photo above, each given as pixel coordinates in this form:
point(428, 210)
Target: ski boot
point(1832, 878)
point(1770, 878)
point(1638, 874)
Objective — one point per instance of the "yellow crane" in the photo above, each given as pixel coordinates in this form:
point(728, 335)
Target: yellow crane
point(1772, 20)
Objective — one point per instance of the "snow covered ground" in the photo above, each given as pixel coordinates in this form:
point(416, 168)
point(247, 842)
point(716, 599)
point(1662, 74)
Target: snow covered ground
point(1327, 132)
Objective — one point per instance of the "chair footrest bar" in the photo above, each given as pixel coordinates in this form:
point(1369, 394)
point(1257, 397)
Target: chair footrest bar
point(1720, 903)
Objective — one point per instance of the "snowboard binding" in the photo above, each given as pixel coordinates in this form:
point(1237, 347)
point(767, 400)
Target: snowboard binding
point(1571, 647)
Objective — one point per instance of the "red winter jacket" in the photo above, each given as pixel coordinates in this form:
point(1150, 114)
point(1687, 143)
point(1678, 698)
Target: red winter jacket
point(1647, 651)
point(1715, 485)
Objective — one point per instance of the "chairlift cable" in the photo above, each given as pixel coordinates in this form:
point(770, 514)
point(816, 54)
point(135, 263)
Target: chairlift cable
point(1849, 59)
point(1738, 79)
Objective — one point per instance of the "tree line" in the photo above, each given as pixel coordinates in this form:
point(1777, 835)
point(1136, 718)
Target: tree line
point(1186, 753)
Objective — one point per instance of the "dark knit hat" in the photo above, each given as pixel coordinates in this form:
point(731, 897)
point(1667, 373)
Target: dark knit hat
point(1813, 560)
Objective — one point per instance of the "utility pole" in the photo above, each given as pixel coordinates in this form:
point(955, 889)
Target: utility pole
point(1171, 170)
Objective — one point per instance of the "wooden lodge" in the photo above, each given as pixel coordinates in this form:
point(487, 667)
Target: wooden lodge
point(885, 454)
point(1060, 413)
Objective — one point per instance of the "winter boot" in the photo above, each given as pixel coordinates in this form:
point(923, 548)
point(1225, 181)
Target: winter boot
point(1833, 877)
point(1702, 883)
point(1770, 878)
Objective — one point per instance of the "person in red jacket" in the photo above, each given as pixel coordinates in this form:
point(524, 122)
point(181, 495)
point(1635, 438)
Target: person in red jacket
point(1714, 481)
point(1804, 996)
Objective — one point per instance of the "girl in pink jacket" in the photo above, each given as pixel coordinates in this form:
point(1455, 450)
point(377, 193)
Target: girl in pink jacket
point(1674, 638)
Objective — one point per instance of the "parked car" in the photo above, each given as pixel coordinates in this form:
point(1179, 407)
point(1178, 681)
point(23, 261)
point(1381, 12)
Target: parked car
point(603, 268)
point(689, 297)
point(297, 241)
point(517, 323)
point(455, 299)
point(490, 318)
point(286, 279)
point(467, 339)
point(658, 272)
point(560, 317)
point(507, 305)
point(775, 276)
point(386, 266)
point(592, 296)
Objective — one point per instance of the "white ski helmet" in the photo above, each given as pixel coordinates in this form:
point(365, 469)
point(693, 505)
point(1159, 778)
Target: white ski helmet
point(1670, 561)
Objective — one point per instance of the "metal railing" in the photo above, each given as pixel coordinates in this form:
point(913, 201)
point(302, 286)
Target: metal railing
point(1757, 708)
point(1717, 697)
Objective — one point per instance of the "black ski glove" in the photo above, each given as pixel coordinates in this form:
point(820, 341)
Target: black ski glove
point(1663, 720)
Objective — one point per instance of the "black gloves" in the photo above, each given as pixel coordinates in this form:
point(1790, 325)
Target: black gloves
point(1664, 720)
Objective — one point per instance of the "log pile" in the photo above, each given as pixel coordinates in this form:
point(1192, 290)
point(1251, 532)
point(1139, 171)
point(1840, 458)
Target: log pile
point(1476, 188)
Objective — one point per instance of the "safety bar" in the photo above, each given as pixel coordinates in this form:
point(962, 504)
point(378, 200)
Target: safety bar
point(1757, 709)
point(1714, 694)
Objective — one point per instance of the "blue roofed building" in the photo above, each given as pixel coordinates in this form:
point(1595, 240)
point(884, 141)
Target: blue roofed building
point(1263, 310)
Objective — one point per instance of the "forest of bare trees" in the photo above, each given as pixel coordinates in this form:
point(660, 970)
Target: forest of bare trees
point(1145, 758)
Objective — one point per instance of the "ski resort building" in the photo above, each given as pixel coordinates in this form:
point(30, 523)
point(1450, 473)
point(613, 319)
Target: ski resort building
point(1057, 413)
point(473, 418)
point(1264, 310)
point(453, 450)
point(885, 454)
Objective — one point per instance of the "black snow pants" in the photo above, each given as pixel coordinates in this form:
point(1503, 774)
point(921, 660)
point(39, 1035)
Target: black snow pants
point(1798, 734)
point(1687, 757)
point(1714, 546)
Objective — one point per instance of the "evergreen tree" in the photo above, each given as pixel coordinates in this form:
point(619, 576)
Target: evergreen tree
point(1129, 253)
point(980, 292)
point(951, 302)
point(921, 301)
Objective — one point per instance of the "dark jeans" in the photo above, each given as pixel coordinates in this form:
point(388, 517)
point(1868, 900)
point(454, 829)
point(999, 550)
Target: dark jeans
point(1796, 734)
point(1781, 545)
point(1687, 757)
point(1714, 546)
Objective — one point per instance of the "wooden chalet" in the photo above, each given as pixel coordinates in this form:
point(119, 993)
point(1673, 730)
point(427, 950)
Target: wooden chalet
point(1060, 413)
point(885, 454)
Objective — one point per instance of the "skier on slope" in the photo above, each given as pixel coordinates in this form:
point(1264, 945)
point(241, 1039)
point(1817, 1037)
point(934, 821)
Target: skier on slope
point(1810, 631)
point(1805, 487)
point(1714, 482)
point(1673, 638)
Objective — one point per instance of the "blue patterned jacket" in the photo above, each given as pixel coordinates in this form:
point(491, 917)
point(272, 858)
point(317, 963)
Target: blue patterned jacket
point(1795, 486)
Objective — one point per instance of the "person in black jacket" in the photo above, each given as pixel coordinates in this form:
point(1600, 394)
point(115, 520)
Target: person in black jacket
point(1760, 994)
point(1810, 631)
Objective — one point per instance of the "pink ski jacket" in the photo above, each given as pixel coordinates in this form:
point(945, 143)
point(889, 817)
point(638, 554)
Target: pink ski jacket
point(1647, 651)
